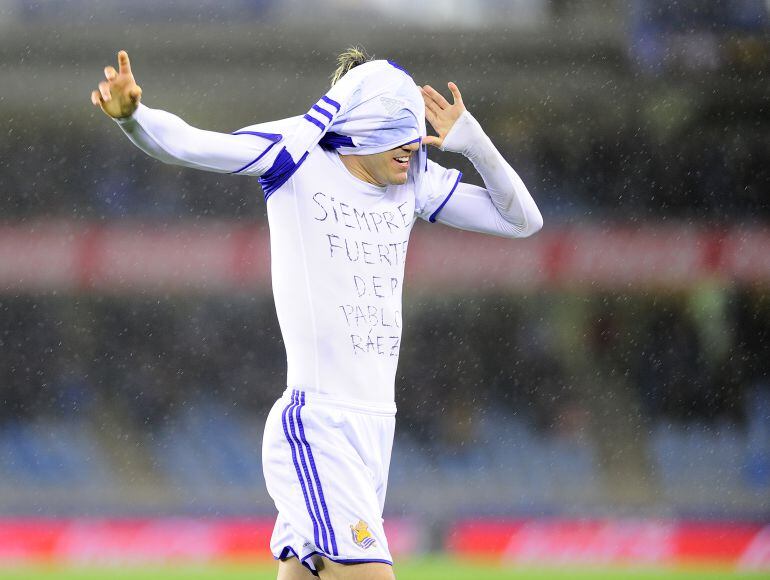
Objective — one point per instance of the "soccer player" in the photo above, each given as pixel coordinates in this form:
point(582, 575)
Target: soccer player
point(343, 185)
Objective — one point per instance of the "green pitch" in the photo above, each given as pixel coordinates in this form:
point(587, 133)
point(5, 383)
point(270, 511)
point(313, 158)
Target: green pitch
point(424, 569)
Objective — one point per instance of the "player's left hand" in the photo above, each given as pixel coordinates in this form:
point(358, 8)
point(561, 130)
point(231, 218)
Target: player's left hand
point(440, 114)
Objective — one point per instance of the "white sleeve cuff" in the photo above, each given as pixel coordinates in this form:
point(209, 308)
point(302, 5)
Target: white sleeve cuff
point(463, 135)
point(132, 117)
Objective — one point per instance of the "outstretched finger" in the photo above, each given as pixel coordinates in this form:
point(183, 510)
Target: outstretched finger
point(431, 117)
point(433, 141)
point(104, 89)
point(430, 105)
point(436, 97)
point(458, 98)
point(123, 63)
point(430, 113)
point(110, 73)
point(96, 98)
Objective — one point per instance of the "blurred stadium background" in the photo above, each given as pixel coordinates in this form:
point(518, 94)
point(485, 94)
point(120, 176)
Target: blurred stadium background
point(596, 395)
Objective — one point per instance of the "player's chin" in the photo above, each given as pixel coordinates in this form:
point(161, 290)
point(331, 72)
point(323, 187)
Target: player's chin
point(398, 178)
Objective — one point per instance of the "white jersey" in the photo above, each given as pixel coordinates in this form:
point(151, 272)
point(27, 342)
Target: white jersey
point(338, 247)
point(338, 244)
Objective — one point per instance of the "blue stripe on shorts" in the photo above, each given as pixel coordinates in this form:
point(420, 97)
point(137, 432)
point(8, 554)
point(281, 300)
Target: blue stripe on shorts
point(294, 431)
point(301, 395)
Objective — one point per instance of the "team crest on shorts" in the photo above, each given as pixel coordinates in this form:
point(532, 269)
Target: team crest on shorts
point(361, 535)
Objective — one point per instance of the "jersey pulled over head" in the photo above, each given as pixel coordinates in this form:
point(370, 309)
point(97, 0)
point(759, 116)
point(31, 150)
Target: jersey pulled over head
point(384, 109)
point(373, 108)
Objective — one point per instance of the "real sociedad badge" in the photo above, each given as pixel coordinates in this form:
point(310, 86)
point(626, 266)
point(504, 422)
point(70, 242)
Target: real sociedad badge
point(361, 535)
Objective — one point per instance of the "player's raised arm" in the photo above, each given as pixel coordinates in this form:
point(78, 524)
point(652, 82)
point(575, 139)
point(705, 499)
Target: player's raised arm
point(169, 139)
point(505, 207)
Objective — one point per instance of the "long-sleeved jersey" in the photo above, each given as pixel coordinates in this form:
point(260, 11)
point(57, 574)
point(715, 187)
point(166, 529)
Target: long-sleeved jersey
point(338, 244)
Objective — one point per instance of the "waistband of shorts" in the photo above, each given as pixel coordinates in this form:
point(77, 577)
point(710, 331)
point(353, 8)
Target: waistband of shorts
point(387, 409)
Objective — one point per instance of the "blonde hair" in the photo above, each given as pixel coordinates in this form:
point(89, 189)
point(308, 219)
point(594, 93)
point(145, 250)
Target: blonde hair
point(348, 59)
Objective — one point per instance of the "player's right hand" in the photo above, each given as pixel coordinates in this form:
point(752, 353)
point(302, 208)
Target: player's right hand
point(119, 95)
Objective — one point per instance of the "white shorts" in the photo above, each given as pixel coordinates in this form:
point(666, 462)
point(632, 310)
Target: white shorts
point(326, 467)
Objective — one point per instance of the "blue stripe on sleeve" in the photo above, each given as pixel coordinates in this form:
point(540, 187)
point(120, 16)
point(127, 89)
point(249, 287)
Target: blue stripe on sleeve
point(274, 137)
point(332, 102)
point(315, 121)
point(324, 112)
point(432, 217)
